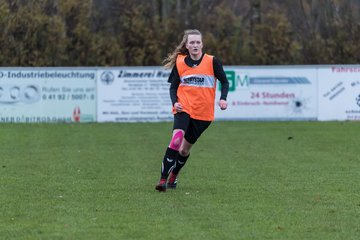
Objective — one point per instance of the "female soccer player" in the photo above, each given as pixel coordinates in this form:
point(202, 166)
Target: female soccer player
point(192, 92)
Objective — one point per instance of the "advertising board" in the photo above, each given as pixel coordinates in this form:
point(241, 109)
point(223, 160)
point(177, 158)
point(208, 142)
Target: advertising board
point(270, 93)
point(133, 94)
point(47, 95)
point(339, 93)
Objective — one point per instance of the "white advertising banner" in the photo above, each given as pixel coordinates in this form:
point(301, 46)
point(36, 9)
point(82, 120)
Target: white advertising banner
point(141, 94)
point(339, 93)
point(47, 95)
point(270, 93)
point(133, 94)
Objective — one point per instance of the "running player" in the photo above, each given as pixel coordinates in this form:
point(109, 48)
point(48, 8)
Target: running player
point(192, 92)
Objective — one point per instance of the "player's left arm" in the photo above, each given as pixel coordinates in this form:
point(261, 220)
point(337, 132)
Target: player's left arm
point(221, 76)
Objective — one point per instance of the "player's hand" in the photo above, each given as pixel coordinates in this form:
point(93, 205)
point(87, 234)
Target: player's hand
point(178, 107)
point(222, 104)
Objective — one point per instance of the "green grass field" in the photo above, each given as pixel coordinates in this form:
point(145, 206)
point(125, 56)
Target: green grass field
point(244, 180)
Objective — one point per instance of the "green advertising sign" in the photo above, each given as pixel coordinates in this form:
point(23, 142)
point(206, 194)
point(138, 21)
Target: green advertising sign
point(236, 80)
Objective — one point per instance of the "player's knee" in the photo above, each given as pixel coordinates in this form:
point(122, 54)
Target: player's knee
point(184, 152)
point(176, 140)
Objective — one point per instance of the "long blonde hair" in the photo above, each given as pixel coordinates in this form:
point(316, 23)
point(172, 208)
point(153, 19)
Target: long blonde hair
point(170, 60)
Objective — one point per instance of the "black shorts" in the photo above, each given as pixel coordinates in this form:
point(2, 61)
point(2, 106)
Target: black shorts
point(193, 128)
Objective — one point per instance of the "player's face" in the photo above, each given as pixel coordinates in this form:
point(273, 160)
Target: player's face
point(194, 45)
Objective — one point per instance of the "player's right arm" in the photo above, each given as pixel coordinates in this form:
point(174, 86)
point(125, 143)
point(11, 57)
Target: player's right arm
point(174, 79)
